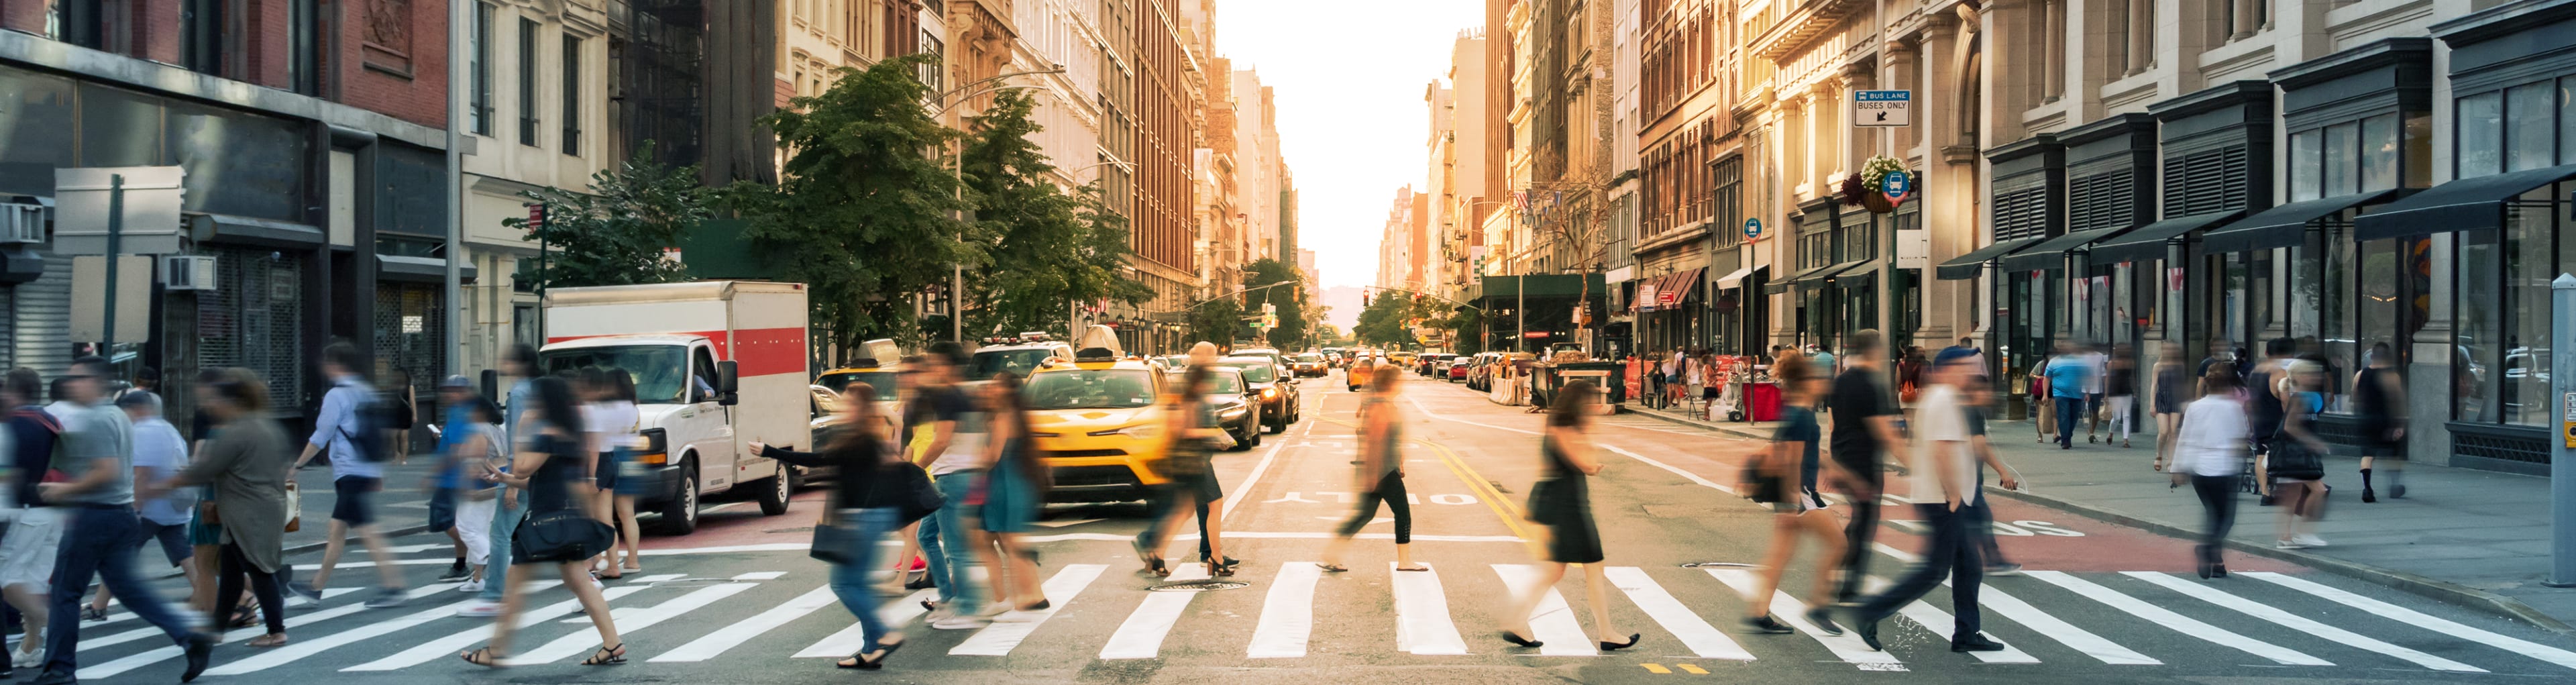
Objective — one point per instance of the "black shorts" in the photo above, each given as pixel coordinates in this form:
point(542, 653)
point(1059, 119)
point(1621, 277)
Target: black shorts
point(173, 539)
point(1200, 487)
point(442, 510)
point(605, 475)
point(354, 498)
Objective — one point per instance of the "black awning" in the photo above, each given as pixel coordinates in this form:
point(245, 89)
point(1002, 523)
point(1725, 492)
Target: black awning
point(2287, 225)
point(419, 269)
point(1967, 266)
point(2050, 254)
point(2467, 204)
point(1856, 270)
point(2148, 242)
point(1818, 273)
point(1775, 287)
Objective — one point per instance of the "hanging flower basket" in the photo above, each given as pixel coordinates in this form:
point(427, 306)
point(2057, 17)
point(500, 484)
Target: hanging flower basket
point(1862, 189)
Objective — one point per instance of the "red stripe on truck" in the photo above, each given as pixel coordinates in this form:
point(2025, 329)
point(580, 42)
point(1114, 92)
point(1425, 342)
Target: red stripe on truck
point(765, 351)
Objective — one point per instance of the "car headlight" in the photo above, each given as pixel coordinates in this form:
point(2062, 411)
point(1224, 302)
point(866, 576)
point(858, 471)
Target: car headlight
point(1232, 410)
point(1269, 393)
point(1142, 431)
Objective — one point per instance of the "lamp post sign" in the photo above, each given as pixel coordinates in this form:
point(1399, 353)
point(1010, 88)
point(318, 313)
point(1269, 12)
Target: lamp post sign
point(1895, 185)
point(1752, 228)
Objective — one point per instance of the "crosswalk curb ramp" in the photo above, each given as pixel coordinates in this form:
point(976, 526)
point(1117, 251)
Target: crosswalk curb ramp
point(1292, 610)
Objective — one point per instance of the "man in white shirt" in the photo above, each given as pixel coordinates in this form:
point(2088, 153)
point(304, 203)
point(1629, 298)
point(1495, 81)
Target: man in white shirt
point(2097, 366)
point(1943, 486)
point(2209, 449)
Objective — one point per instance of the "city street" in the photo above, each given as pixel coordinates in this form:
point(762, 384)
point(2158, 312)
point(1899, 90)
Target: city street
point(740, 602)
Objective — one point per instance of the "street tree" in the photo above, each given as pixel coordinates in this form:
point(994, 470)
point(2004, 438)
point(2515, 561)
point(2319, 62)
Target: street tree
point(1387, 321)
point(1218, 321)
point(1046, 248)
point(1289, 300)
point(863, 213)
point(616, 231)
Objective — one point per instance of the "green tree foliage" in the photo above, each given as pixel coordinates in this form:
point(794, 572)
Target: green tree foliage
point(1382, 323)
point(1290, 300)
point(615, 233)
point(863, 213)
point(1219, 321)
point(1046, 248)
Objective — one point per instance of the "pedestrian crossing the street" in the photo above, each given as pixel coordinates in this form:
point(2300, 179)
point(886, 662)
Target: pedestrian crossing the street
point(2048, 619)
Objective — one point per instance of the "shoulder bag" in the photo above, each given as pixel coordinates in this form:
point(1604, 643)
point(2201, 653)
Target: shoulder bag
point(836, 541)
point(562, 535)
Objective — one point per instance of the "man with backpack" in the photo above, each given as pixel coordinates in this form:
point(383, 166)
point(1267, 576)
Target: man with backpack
point(353, 428)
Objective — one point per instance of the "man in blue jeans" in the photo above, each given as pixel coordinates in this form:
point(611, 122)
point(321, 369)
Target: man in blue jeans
point(103, 532)
point(955, 461)
point(1944, 488)
point(521, 362)
point(2067, 373)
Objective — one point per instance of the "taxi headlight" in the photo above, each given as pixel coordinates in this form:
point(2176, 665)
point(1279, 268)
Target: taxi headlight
point(1142, 431)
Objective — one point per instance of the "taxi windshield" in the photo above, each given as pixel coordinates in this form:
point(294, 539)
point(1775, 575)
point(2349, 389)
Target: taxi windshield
point(881, 381)
point(1090, 389)
point(1019, 362)
point(1310, 357)
point(1254, 370)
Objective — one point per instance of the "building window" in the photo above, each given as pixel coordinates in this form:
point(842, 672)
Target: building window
point(201, 36)
point(572, 95)
point(1729, 201)
point(478, 111)
point(527, 82)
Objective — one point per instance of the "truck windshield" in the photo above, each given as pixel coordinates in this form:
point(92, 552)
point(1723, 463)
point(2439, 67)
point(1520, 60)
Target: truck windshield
point(1091, 389)
point(661, 371)
point(881, 381)
point(1019, 362)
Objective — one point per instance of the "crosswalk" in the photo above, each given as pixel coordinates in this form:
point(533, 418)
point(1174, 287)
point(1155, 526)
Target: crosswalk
point(2111, 620)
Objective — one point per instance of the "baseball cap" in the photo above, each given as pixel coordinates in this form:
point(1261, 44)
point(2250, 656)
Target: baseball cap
point(456, 382)
point(1951, 354)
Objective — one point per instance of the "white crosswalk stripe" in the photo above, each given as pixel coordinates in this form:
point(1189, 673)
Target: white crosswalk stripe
point(1001, 637)
point(2064, 633)
point(1943, 624)
point(1287, 613)
point(1422, 623)
point(148, 658)
point(842, 644)
point(451, 645)
point(1703, 639)
point(2299, 623)
point(585, 641)
point(2180, 623)
point(1553, 624)
point(732, 636)
point(1846, 646)
point(2420, 619)
point(1141, 637)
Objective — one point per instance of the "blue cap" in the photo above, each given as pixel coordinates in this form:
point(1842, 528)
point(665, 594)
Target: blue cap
point(1951, 354)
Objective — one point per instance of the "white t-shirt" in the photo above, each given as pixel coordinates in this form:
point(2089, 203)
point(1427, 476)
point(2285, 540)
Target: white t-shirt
point(609, 423)
point(1938, 424)
point(2098, 366)
point(2211, 439)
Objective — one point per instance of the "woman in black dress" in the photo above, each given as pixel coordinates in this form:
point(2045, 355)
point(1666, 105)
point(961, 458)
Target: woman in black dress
point(1562, 502)
point(2169, 398)
point(551, 457)
point(2378, 396)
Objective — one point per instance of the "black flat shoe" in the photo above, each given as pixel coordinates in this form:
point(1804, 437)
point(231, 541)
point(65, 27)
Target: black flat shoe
point(1632, 642)
point(2205, 568)
point(1515, 638)
point(1768, 624)
point(2218, 571)
point(1824, 621)
point(1975, 642)
point(1868, 631)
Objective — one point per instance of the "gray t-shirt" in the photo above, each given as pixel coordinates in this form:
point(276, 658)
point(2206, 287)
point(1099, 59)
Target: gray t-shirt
point(100, 436)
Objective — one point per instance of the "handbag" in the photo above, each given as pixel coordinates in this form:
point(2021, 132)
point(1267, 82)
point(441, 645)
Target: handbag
point(294, 508)
point(562, 535)
point(921, 498)
point(2289, 458)
point(834, 541)
point(1759, 484)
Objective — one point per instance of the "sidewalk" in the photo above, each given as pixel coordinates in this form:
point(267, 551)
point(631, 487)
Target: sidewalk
point(2476, 538)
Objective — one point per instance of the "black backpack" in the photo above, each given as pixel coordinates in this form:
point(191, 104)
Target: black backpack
point(376, 415)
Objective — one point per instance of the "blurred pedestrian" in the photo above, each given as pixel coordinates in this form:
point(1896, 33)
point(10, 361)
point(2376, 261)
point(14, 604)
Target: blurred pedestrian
point(1864, 428)
point(2043, 401)
point(102, 531)
point(2209, 450)
point(1380, 479)
point(2097, 374)
point(1943, 476)
point(245, 464)
point(911, 572)
point(406, 410)
point(1014, 493)
point(2070, 379)
point(27, 552)
point(1825, 362)
point(159, 452)
point(510, 503)
point(549, 464)
point(866, 505)
point(2119, 394)
point(2169, 399)
point(1797, 507)
point(955, 460)
point(2267, 388)
point(447, 480)
point(2295, 463)
point(1976, 398)
point(479, 447)
point(354, 480)
point(1562, 502)
point(609, 415)
point(2379, 400)
point(1190, 425)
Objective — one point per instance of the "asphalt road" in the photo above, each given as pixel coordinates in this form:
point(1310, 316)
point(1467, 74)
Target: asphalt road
point(739, 601)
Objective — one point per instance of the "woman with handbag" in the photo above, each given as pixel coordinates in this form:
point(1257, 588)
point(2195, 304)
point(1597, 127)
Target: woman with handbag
point(245, 462)
point(1380, 477)
point(610, 418)
point(869, 501)
point(559, 530)
point(1192, 425)
point(2295, 464)
point(1014, 492)
point(1784, 477)
point(1562, 501)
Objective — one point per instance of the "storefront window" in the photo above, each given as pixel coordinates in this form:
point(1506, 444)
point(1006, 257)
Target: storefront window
point(2343, 155)
point(2567, 124)
point(2530, 133)
point(2335, 315)
point(2306, 166)
point(2380, 153)
point(2481, 132)
point(2529, 264)
point(2481, 325)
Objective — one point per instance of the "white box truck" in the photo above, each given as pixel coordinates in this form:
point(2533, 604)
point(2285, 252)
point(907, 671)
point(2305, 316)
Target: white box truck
point(718, 365)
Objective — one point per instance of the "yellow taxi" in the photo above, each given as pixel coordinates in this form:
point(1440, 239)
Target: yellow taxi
point(1401, 360)
point(1098, 420)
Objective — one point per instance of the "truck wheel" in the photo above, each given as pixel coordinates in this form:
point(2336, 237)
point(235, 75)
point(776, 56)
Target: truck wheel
point(680, 514)
point(774, 494)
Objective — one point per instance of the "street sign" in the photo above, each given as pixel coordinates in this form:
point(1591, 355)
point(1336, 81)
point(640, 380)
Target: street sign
point(148, 221)
point(90, 299)
point(1649, 297)
point(1895, 185)
point(1753, 228)
point(1873, 108)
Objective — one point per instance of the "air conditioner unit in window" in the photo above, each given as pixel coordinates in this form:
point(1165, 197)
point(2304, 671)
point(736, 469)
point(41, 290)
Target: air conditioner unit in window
point(188, 272)
point(21, 223)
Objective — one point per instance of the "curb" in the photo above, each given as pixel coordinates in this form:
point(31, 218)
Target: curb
point(2440, 590)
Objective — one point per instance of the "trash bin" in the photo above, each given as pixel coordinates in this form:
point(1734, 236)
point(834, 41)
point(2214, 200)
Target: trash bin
point(1762, 402)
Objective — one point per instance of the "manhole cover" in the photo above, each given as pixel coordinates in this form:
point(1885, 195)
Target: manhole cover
point(1199, 586)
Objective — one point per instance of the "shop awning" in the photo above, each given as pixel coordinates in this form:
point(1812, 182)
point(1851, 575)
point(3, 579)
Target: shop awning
point(1735, 279)
point(1866, 270)
point(2467, 204)
point(2287, 225)
point(418, 269)
point(1776, 287)
point(2148, 243)
point(1669, 290)
point(1508, 288)
point(1819, 274)
point(1968, 265)
point(2050, 254)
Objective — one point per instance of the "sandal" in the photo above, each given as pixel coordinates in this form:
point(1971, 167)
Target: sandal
point(484, 657)
point(858, 660)
point(606, 656)
point(1330, 568)
point(884, 650)
point(269, 640)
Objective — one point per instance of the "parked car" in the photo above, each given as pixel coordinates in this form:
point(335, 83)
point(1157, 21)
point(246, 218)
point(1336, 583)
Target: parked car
point(1457, 369)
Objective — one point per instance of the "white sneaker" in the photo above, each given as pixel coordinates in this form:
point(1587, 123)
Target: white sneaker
point(19, 659)
point(992, 609)
point(2308, 540)
point(2291, 543)
point(480, 610)
point(959, 623)
point(470, 586)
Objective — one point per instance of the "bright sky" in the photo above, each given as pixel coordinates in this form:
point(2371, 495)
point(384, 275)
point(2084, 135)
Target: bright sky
point(1352, 123)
